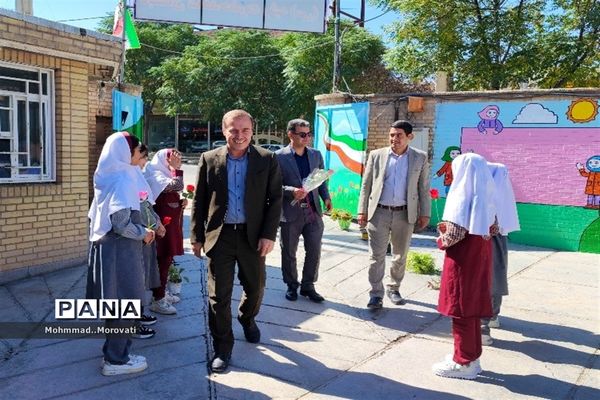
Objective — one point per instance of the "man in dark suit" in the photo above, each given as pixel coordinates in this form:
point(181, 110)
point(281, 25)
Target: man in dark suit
point(304, 217)
point(235, 214)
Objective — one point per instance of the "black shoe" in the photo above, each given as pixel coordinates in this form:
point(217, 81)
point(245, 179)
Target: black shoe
point(312, 295)
point(292, 293)
point(395, 297)
point(220, 363)
point(143, 332)
point(251, 331)
point(375, 303)
point(148, 320)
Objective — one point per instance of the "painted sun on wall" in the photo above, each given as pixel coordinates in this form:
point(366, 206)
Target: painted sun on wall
point(552, 150)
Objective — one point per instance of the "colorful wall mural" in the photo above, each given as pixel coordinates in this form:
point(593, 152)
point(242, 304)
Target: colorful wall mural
point(552, 151)
point(341, 136)
point(128, 113)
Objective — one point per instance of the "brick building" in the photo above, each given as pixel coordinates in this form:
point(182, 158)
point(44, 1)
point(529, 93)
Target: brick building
point(54, 116)
point(549, 140)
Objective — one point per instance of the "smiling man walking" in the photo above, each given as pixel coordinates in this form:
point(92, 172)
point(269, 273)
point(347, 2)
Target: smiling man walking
point(235, 216)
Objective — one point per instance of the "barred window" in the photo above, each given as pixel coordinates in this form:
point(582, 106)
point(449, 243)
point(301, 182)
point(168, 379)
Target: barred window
point(27, 133)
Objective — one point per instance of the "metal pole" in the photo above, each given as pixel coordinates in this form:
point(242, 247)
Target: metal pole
point(337, 54)
point(123, 49)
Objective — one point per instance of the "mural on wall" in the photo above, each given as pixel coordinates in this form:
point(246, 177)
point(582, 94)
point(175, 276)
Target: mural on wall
point(592, 186)
point(128, 113)
point(489, 120)
point(450, 154)
point(341, 136)
point(540, 142)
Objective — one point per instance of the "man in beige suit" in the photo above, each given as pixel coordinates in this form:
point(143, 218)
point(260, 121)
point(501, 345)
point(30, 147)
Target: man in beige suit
point(393, 198)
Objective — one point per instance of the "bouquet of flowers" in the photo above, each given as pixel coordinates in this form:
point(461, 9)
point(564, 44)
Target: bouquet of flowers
point(314, 180)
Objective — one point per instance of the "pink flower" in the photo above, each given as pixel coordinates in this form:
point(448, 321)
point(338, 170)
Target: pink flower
point(143, 195)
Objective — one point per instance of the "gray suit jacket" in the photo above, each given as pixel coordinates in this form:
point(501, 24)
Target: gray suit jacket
point(418, 201)
point(291, 180)
point(262, 200)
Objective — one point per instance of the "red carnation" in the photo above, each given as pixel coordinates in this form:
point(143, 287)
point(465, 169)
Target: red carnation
point(434, 194)
point(166, 221)
point(190, 188)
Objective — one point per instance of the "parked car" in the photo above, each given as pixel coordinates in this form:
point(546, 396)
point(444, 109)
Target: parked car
point(218, 143)
point(198, 147)
point(272, 147)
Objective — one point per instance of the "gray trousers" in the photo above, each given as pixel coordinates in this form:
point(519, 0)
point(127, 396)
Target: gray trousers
point(388, 226)
point(311, 228)
point(116, 347)
point(496, 304)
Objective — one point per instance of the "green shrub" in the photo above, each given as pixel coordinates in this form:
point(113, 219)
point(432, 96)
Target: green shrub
point(421, 263)
point(338, 214)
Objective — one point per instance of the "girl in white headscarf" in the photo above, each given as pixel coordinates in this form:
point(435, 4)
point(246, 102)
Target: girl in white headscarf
point(165, 177)
point(465, 230)
point(115, 268)
point(150, 220)
point(508, 221)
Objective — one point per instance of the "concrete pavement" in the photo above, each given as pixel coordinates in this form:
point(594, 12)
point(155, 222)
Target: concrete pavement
point(546, 348)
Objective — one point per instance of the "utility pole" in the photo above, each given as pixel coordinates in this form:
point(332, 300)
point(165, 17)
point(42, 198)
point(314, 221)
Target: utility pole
point(337, 54)
point(123, 8)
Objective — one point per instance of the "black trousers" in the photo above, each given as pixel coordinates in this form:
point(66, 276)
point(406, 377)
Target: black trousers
point(231, 248)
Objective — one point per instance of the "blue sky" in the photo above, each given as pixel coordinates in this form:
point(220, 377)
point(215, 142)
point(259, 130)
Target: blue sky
point(58, 10)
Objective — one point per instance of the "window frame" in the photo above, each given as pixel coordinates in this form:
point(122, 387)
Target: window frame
point(46, 128)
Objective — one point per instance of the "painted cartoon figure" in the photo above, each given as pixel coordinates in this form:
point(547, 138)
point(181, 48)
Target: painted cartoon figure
point(450, 154)
point(592, 187)
point(489, 120)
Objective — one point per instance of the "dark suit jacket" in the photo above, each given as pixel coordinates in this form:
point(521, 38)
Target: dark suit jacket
point(292, 180)
point(262, 200)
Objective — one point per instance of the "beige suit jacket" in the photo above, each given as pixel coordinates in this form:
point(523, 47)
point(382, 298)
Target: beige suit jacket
point(418, 201)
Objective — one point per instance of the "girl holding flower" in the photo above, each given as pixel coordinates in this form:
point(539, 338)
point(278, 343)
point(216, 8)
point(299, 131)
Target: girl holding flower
point(165, 178)
point(150, 220)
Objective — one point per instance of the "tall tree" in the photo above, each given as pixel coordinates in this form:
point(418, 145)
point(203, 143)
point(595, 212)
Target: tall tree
point(227, 69)
point(309, 65)
point(159, 43)
point(494, 44)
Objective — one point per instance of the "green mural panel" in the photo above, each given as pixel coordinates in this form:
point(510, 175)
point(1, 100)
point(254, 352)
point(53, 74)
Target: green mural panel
point(557, 227)
point(344, 188)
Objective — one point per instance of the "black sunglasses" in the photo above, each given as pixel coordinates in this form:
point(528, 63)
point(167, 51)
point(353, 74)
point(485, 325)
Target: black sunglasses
point(302, 134)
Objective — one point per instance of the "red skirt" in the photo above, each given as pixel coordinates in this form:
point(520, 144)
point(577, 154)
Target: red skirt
point(172, 243)
point(467, 279)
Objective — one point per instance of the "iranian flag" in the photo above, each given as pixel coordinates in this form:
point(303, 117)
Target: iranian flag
point(131, 38)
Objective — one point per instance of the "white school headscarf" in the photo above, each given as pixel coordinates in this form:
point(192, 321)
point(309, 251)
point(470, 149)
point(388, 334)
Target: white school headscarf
point(506, 206)
point(157, 172)
point(113, 181)
point(470, 202)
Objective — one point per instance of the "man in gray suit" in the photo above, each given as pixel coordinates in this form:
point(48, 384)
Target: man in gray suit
point(304, 217)
point(393, 198)
point(235, 214)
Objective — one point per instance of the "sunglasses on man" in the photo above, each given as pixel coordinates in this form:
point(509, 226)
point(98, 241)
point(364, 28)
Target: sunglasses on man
point(302, 134)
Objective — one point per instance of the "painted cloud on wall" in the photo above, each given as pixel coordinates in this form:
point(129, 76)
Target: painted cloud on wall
point(535, 113)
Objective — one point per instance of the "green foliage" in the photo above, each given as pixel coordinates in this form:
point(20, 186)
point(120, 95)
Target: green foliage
point(421, 263)
point(175, 274)
point(490, 44)
point(337, 214)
